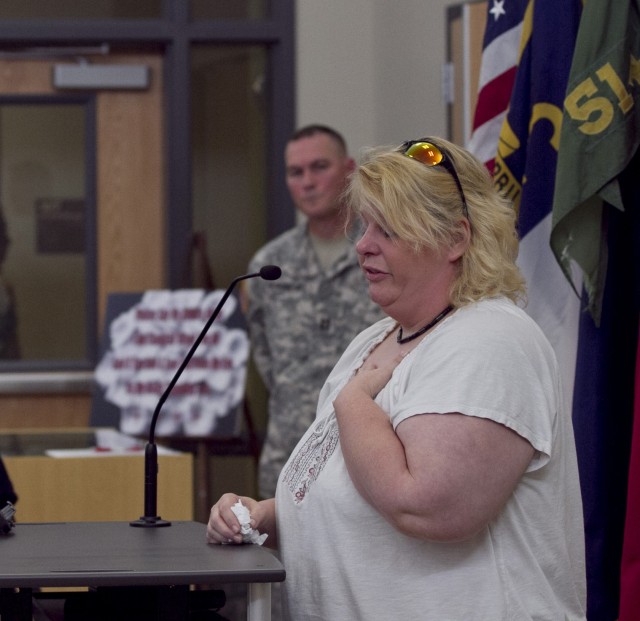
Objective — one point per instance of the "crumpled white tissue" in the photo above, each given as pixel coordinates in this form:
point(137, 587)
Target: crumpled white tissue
point(249, 535)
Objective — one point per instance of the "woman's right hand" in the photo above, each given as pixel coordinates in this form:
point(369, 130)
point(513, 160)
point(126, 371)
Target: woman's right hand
point(224, 527)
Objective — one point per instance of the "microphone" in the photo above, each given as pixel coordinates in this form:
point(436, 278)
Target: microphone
point(150, 517)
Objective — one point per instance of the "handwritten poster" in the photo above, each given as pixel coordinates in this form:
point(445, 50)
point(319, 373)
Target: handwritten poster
point(147, 343)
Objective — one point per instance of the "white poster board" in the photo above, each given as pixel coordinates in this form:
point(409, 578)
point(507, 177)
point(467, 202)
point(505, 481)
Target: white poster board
point(147, 338)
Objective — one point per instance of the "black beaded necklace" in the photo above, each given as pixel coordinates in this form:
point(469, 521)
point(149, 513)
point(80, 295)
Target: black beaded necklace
point(402, 340)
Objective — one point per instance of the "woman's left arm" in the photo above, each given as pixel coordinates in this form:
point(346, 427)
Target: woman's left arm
point(440, 477)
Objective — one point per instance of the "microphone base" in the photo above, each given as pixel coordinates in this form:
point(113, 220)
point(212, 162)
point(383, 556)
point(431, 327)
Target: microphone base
point(150, 522)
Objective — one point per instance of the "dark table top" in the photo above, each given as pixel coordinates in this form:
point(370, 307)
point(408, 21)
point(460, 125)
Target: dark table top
point(117, 554)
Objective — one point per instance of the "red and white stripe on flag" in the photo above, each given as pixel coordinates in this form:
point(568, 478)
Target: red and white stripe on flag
point(500, 54)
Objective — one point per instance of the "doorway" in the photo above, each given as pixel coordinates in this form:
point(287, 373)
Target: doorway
point(126, 213)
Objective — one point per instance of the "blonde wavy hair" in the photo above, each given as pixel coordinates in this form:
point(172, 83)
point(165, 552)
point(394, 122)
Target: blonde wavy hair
point(422, 206)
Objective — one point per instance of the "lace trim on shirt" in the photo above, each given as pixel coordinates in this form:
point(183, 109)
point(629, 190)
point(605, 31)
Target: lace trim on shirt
point(304, 468)
point(302, 471)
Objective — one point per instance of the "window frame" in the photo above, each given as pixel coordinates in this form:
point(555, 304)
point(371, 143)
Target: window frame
point(175, 34)
point(88, 103)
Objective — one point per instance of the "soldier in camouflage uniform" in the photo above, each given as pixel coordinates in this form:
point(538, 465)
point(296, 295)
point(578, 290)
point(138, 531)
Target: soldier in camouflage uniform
point(301, 323)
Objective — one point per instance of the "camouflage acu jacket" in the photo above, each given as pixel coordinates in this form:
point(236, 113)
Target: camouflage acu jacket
point(299, 327)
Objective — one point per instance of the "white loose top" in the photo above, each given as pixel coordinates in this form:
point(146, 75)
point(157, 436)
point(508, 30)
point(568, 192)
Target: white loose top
point(345, 561)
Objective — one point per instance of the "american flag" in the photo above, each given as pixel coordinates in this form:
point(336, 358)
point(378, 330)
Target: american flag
point(497, 74)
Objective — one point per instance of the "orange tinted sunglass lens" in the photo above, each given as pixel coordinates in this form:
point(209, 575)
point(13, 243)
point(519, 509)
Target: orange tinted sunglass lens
point(425, 152)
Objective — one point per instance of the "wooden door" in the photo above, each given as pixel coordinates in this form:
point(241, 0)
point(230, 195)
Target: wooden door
point(466, 26)
point(130, 218)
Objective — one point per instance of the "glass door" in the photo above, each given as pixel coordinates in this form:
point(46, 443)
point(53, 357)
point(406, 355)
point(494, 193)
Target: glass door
point(47, 203)
point(83, 198)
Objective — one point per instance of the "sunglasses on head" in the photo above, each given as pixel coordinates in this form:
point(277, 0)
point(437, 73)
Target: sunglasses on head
point(430, 154)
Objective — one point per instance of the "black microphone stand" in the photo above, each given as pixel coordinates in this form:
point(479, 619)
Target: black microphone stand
point(150, 517)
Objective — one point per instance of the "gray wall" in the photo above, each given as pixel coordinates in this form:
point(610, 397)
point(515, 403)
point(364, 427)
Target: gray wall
point(372, 68)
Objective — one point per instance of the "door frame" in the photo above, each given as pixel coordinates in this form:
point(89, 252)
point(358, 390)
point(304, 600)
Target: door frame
point(126, 177)
point(88, 101)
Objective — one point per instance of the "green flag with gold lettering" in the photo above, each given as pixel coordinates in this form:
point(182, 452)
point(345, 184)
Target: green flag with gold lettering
point(600, 134)
point(595, 225)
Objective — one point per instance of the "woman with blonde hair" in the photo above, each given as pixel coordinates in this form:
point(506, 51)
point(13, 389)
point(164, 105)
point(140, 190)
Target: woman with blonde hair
point(439, 479)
